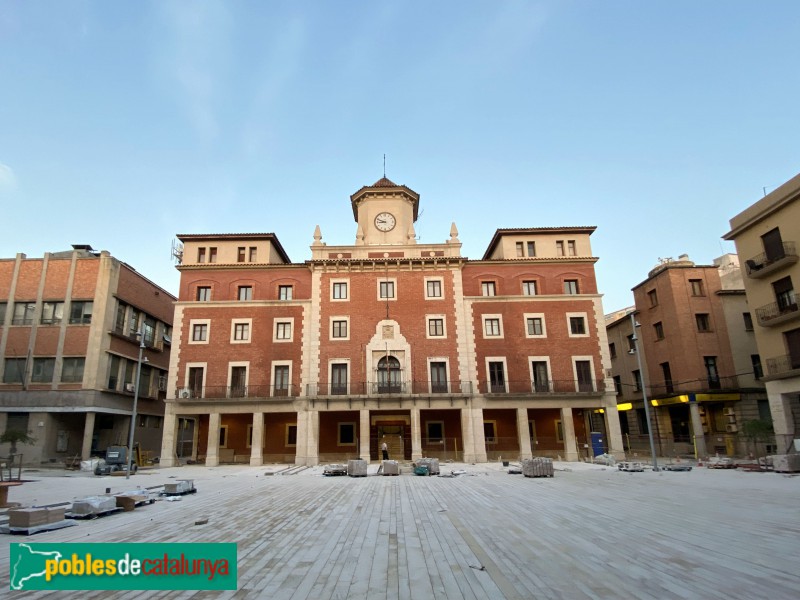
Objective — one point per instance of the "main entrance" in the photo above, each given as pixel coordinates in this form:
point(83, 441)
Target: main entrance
point(393, 429)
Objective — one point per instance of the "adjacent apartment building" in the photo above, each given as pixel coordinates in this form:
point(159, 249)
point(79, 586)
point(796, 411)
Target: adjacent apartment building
point(69, 347)
point(766, 236)
point(388, 340)
point(700, 367)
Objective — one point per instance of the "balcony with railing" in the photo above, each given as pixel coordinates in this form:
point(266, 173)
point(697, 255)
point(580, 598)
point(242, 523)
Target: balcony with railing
point(709, 384)
point(392, 388)
point(780, 367)
point(766, 263)
point(776, 313)
point(544, 388)
point(237, 393)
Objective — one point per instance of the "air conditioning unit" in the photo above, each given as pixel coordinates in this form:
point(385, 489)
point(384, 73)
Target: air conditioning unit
point(731, 428)
point(728, 411)
point(185, 393)
point(129, 387)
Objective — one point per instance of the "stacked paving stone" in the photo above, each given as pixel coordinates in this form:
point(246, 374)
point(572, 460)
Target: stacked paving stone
point(390, 467)
point(537, 467)
point(357, 468)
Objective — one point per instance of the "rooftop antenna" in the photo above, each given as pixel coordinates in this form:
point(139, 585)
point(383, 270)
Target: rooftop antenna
point(384, 165)
point(176, 252)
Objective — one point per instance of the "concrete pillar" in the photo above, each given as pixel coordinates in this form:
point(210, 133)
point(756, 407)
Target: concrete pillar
point(363, 429)
point(416, 435)
point(313, 438)
point(88, 432)
point(257, 441)
point(167, 457)
point(697, 430)
point(301, 445)
point(616, 446)
point(212, 449)
point(472, 434)
point(568, 427)
point(782, 418)
point(523, 434)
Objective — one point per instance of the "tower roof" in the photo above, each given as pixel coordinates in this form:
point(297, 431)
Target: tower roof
point(380, 187)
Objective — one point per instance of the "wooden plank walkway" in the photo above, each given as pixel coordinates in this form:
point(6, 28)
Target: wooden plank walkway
point(581, 535)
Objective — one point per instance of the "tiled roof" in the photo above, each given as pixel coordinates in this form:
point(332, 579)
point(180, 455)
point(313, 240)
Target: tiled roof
point(383, 182)
point(533, 230)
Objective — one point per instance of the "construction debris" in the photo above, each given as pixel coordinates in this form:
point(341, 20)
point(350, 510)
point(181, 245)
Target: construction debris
point(432, 465)
point(537, 467)
point(334, 470)
point(631, 467)
point(179, 488)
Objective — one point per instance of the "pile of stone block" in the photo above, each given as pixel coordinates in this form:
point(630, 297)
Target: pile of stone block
point(391, 467)
point(431, 463)
point(93, 506)
point(786, 463)
point(130, 500)
point(28, 518)
point(537, 467)
point(179, 487)
point(357, 468)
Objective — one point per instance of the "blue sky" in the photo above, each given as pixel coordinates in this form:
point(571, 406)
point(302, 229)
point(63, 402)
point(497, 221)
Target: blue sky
point(122, 124)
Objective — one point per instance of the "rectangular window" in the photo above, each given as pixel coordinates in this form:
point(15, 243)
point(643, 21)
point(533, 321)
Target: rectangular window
point(583, 370)
point(23, 313)
point(435, 327)
point(531, 248)
point(631, 343)
point(281, 380)
point(488, 288)
point(434, 431)
point(241, 332)
point(773, 245)
point(238, 382)
point(658, 328)
point(203, 294)
point(201, 255)
point(285, 292)
point(14, 371)
point(637, 380)
point(520, 249)
point(212, 255)
point(291, 434)
point(245, 292)
point(748, 321)
point(652, 296)
point(339, 329)
point(784, 294)
point(340, 290)
point(149, 331)
point(541, 379)
point(52, 313)
point(712, 372)
point(119, 319)
point(529, 288)
point(43, 370)
point(490, 432)
point(491, 327)
point(703, 323)
point(339, 378)
point(577, 325)
point(196, 381)
point(612, 350)
point(3, 306)
point(387, 289)
point(571, 286)
point(697, 287)
point(200, 332)
point(434, 288)
point(497, 377)
point(80, 313)
point(347, 434)
point(283, 331)
point(667, 374)
point(560, 248)
point(72, 369)
point(535, 326)
point(240, 254)
point(438, 377)
point(253, 254)
point(618, 385)
point(758, 371)
point(571, 248)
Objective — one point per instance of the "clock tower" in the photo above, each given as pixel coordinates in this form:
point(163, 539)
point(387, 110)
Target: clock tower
point(385, 213)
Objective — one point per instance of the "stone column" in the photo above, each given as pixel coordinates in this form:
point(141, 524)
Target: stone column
point(568, 427)
point(313, 438)
point(524, 435)
point(212, 450)
point(697, 430)
point(416, 435)
point(363, 429)
point(167, 458)
point(616, 446)
point(257, 441)
point(88, 431)
point(301, 444)
point(472, 431)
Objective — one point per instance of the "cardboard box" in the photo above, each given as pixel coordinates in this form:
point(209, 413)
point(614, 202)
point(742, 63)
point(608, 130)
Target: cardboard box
point(129, 501)
point(27, 517)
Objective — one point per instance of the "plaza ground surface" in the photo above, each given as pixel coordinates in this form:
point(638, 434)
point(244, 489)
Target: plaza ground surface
point(588, 532)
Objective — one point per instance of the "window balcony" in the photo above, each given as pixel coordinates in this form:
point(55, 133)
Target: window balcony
point(392, 388)
point(236, 392)
point(544, 388)
point(776, 313)
point(781, 367)
point(672, 388)
point(762, 265)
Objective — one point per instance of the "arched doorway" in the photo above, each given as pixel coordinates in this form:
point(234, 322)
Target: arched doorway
point(389, 375)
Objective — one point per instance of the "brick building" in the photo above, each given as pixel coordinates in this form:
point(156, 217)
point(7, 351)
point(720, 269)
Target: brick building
point(388, 340)
point(702, 371)
point(68, 324)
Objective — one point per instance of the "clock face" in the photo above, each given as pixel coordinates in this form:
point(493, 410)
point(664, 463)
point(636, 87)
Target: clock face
point(385, 221)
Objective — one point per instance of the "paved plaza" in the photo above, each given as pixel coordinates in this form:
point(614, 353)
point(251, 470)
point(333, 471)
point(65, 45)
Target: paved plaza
point(589, 532)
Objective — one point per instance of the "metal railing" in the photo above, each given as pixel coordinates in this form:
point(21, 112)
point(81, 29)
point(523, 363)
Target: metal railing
point(553, 386)
point(770, 312)
point(377, 388)
point(667, 388)
point(211, 392)
point(779, 365)
point(758, 262)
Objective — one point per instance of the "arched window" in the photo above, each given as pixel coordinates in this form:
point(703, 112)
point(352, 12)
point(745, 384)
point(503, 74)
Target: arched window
point(388, 375)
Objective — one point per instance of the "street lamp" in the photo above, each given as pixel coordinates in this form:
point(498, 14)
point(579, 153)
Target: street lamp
point(635, 350)
point(140, 335)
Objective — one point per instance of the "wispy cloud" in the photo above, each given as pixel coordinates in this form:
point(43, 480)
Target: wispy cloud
point(8, 180)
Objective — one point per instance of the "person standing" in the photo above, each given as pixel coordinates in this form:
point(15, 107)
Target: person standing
point(385, 451)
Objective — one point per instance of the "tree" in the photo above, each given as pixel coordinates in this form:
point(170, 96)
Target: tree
point(758, 431)
point(14, 437)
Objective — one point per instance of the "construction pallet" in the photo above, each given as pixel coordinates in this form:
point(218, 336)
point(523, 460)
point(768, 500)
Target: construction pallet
point(94, 515)
point(37, 529)
point(678, 468)
point(184, 493)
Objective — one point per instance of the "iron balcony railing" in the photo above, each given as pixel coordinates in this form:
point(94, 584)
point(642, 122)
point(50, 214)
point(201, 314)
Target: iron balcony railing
point(667, 388)
point(780, 365)
point(763, 260)
point(221, 392)
point(376, 388)
point(552, 386)
point(770, 313)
